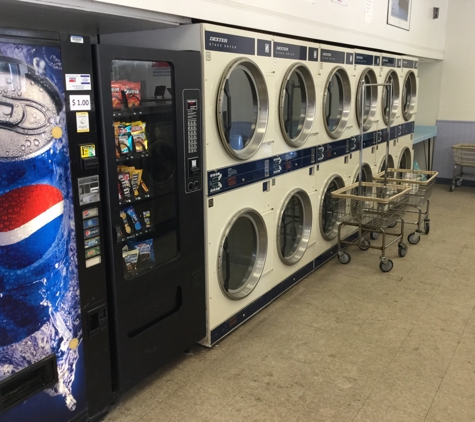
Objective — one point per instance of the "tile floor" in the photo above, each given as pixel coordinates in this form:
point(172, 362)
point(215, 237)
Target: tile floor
point(348, 343)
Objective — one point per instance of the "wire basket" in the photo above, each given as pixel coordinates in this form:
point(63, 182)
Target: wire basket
point(421, 183)
point(372, 205)
point(464, 154)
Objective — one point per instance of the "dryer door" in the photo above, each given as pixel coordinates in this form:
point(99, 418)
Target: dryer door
point(336, 102)
point(297, 105)
point(242, 254)
point(294, 227)
point(242, 109)
point(366, 112)
point(390, 105)
point(409, 96)
point(329, 208)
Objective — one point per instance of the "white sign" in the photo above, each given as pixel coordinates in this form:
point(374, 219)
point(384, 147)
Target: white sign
point(82, 121)
point(341, 2)
point(76, 39)
point(78, 82)
point(79, 102)
point(368, 11)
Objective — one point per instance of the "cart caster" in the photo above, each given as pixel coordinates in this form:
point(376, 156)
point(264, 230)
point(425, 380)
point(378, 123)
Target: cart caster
point(392, 225)
point(386, 267)
point(452, 187)
point(427, 226)
point(374, 235)
point(458, 183)
point(364, 244)
point(413, 238)
point(402, 250)
point(344, 258)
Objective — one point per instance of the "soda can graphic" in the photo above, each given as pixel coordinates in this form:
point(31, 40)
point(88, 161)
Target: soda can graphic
point(39, 284)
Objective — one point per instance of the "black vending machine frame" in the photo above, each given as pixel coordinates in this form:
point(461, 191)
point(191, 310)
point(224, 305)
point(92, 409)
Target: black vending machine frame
point(77, 59)
point(171, 295)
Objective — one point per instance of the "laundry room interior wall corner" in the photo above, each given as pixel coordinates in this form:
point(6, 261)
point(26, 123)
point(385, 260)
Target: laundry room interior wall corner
point(321, 19)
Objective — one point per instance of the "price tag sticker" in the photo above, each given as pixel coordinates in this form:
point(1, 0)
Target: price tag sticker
point(79, 102)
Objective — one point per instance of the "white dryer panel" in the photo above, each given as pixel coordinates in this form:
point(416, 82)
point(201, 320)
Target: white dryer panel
point(244, 255)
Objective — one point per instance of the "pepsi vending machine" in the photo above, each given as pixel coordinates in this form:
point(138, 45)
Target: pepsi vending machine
point(54, 339)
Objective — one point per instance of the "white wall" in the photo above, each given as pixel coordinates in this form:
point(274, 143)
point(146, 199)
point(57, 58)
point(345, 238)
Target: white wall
point(430, 74)
point(319, 19)
point(457, 94)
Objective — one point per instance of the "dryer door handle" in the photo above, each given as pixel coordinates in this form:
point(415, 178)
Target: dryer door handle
point(228, 265)
point(229, 117)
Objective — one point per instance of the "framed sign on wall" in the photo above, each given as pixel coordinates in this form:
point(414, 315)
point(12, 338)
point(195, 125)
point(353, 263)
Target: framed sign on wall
point(399, 13)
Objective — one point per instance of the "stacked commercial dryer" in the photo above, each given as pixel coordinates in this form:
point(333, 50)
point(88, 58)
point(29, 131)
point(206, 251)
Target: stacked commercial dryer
point(408, 110)
point(337, 152)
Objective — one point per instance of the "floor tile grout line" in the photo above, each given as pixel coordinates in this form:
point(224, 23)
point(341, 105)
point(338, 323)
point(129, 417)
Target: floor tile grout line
point(448, 366)
point(399, 349)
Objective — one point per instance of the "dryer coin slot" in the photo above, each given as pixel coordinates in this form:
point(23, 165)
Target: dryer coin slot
point(265, 187)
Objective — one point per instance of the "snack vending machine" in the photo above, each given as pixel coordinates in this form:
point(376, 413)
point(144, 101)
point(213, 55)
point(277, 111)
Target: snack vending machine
point(150, 103)
point(54, 341)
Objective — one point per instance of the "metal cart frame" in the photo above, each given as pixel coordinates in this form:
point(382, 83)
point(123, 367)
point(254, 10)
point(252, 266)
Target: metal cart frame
point(372, 207)
point(464, 156)
point(419, 196)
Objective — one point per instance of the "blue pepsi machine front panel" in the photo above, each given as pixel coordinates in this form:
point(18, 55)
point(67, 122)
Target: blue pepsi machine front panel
point(39, 286)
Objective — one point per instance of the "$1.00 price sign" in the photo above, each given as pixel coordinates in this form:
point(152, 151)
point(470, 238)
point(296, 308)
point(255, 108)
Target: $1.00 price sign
point(79, 102)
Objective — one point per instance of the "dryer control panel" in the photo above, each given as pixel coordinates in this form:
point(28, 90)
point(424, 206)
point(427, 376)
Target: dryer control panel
point(193, 144)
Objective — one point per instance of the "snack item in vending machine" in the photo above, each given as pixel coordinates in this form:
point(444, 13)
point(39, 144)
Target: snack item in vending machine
point(147, 220)
point(125, 139)
point(124, 179)
point(145, 249)
point(116, 91)
point(133, 215)
point(139, 136)
point(136, 178)
point(127, 227)
point(131, 258)
point(132, 93)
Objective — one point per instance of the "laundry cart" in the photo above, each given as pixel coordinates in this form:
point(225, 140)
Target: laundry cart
point(421, 183)
point(464, 156)
point(372, 207)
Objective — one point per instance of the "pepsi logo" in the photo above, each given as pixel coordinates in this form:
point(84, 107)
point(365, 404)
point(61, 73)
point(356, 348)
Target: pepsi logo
point(30, 220)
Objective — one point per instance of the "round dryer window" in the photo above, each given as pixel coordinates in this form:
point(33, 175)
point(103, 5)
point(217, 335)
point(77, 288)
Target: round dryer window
point(366, 104)
point(405, 162)
point(409, 96)
point(390, 105)
point(390, 163)
point(329, 208)
point(366, 176)
point(242, 254)
point(294, 227)
point(242, 109)
point(297, 105)
point(336, 102)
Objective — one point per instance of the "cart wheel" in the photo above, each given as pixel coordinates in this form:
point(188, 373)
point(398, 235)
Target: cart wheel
point(452, 187)
point(427, 226)
point(374, 235)
point(385, 268)
point(393, 224)
point(344, 258)
point(458, 182)
point(413, 238)
point(402, 250)
point(364, 244)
